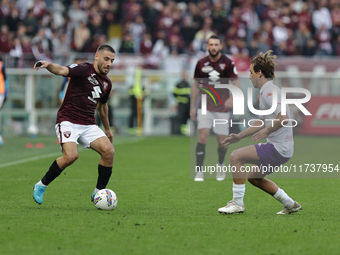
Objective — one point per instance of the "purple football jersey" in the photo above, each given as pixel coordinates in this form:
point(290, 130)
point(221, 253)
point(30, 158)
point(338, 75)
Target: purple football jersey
point(86, 89)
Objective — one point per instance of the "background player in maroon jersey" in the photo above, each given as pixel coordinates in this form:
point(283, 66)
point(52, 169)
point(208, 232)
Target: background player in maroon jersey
point(88, 89)
point(211, 69)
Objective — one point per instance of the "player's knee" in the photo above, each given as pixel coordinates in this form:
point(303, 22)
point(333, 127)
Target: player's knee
point(71, 157)
point(234, 157)
point(108, 154)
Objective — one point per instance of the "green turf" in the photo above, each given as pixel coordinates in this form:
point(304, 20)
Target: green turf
point(160, 209)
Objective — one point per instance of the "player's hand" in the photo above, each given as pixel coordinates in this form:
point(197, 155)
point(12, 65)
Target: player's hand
point(41, 64)
point(262, 134)
point(193, 113)
point(233, 138)
point(228, 104)
point(109, 135)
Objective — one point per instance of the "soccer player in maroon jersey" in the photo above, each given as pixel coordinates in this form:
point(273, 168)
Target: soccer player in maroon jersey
point(211, 69)
point(88, 89)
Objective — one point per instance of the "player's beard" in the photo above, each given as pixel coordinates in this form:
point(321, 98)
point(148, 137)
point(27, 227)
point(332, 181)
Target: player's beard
point(101, 70)
point(214, 55)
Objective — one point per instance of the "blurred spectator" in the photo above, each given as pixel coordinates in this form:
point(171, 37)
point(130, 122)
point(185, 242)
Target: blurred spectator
point(137, 30)
point(131, 10)
point(301, 36)
point(146, 45)
point(323, 37)
point(96, 25)
point(13, 20)
point(236, 21)
point(127, 44)
point(61, 45)
point(76, 14)
point(201, 37)
point(4, 39)
point(150, 15)
point(82, 36)
point(219, 16)
point(322, 16)
point(175, 46)
point(31, 23)
point(304, 16)
point(310, 48)
point(39, 8)
point(188, 31)
point(251, 19)
point(270, 13)
point(335, 15)
point(280, 34)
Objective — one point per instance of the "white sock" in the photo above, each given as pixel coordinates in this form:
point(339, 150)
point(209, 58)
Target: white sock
point(282, 197)
point(238, 193)
point(41, 184)
point(96, 190)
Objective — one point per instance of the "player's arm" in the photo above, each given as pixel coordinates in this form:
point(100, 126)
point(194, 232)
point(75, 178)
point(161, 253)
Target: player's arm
point(234, 138)
point(52, 67)
point(272, 128)
point(103, 111)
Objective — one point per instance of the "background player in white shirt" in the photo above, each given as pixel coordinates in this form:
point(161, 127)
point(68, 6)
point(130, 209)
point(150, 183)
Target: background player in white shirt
point(276, 151)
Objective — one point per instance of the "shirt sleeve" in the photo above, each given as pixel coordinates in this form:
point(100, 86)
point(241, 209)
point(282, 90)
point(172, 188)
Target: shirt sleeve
point(197, 72)
point(77, 70)
point(232, 72)
point(105, 98)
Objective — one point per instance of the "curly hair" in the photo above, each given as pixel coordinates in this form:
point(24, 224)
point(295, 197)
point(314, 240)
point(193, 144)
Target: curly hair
point(265, 63)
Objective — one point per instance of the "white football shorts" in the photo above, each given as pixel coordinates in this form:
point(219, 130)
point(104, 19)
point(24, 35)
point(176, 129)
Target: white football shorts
point(80, 134)
point(207, 121)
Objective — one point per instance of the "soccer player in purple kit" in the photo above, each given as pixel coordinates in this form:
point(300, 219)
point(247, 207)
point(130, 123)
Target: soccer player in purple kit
point(212, 69)
point(88, 89)
point(277, 150)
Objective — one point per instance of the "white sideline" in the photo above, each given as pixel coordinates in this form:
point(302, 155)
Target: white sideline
point(55, 154)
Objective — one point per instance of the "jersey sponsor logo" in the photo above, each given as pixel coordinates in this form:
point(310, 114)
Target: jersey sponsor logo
point(73, 65)
point(207, 69)
point(92, 79)
point(96, 92)
point(222, 66)
point(67, 134)
point(214, 75)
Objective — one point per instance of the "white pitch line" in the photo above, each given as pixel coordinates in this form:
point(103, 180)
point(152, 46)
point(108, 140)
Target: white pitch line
point(55, 154)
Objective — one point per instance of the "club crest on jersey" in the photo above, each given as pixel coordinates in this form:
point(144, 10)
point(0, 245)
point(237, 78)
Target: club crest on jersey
point(92, 80)
point(207, 69)
point(67, 134)
point(105, 84)
point(222, 66)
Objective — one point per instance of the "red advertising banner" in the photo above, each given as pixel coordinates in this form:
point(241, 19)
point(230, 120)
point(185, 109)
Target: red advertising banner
point(325, 118)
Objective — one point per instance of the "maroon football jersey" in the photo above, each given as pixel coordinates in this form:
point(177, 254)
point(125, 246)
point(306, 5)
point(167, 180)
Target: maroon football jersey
point(211, 72)
point(86, 88)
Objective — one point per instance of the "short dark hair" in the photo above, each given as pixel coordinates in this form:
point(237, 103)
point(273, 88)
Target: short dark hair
point(215, 37)
point(106, 47)
point(265, 63)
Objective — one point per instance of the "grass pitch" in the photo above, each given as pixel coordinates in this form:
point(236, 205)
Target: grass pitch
point(160, 209)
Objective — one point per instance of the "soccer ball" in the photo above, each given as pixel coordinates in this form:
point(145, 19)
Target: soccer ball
point(105, 199)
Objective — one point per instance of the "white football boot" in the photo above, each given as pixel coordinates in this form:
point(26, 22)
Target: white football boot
point(296, 208)
point(220, 175)
point(232, 207)
point(199, 177)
